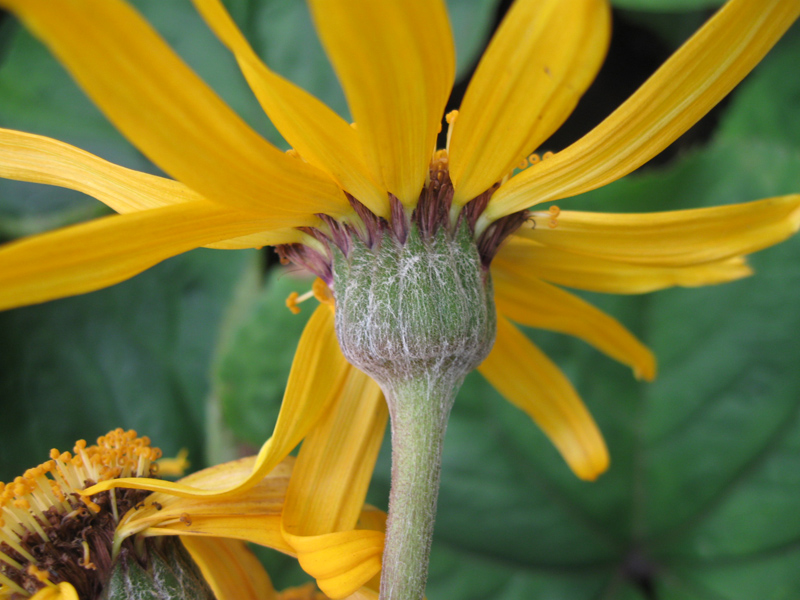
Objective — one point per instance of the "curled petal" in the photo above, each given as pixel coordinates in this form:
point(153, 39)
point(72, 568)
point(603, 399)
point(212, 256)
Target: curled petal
point(341, 562)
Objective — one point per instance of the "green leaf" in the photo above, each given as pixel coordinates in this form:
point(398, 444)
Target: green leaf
point(767, 106)
point(136, 355)
point(254, 364)
point(472, 22)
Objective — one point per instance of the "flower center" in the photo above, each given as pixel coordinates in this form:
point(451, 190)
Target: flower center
point(50, 534)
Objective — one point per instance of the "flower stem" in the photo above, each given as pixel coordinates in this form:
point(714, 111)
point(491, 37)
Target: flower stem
point(419, 412)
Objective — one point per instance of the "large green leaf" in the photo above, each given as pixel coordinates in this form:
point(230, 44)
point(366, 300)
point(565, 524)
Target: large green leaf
point(136, 355)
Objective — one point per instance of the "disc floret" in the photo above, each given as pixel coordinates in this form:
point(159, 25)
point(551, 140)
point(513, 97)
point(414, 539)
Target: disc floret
point(51, 534)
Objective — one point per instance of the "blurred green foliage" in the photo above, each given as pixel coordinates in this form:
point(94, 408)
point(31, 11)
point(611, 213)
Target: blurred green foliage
point(702, 500)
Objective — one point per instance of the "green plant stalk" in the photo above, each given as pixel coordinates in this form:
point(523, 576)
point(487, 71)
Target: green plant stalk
point(419, 415)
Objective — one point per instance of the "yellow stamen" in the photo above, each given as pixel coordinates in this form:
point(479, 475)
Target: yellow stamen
point(294, 299)
point(451, 119)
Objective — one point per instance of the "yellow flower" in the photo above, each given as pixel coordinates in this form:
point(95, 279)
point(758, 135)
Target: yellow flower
point(395, 59)
point(232, 189)
point(58, 545)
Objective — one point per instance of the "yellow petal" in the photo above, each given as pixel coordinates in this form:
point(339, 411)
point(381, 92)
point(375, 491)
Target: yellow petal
point(100, 253)
point(230, 568)
point(308, 591)
point(528, 379)
point(318, 372)
point(336, 461)
point(252, 515)
point(174, 118)
point(523, 258)
point(322, 137)
point(38, 159)
point(261, 239)
point(62, 591)
point(685, 88)
point(676, 238)
point(396, 62)
point(532, 302)
point(538, 65)
point(341, 562)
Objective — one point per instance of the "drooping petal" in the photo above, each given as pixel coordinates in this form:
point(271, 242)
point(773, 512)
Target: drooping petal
point(532, 302)
point(100, 253)
point(161, 106)
point(335, 464)
point(322, 137)
point(39, 159)
point(527, 378)
point(522, 258)
point(685, 88)
point(396, 62)
point(230, 568)
point(676, 238)
point(327, 491)
point(538, 65)
point(252, 515)
point(318, 372)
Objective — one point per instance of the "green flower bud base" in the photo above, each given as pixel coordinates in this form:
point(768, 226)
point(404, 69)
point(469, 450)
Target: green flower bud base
point(417, 315)
point(168, 573)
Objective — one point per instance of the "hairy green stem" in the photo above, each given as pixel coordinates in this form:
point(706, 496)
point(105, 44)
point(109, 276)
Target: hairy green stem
point(419, 413)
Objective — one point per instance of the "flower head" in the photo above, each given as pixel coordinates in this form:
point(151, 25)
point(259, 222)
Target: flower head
point(58, 543)
point(344, 184)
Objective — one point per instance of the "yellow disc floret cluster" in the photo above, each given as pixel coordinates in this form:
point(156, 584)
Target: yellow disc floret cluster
point(39, 507)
